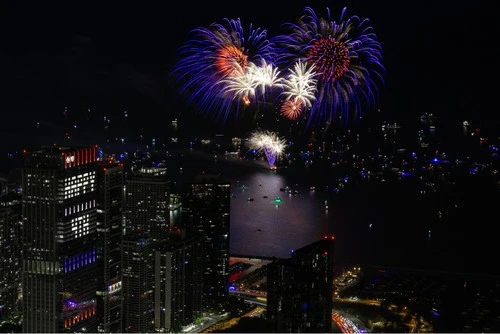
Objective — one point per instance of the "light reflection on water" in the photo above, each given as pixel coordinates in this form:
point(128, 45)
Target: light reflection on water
point(263, 227)
point(373, 223)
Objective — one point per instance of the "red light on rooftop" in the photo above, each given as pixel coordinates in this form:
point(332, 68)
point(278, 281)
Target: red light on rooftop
point(24, 151)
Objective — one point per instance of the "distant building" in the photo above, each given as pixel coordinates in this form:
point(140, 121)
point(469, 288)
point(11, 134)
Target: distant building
point(178, 281)
point(59, 198)
point(206, 212)
point(147, 200)
point(299, 295)
point(10, 257)
point(110, 181)
point(138, 285)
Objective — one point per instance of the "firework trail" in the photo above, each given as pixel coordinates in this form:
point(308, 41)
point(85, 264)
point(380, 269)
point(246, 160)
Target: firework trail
point(219, 68)
point(346, 60)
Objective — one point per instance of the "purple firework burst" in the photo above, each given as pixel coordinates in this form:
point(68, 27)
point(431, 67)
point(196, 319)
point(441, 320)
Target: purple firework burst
point(214, 59)
point(345, 56)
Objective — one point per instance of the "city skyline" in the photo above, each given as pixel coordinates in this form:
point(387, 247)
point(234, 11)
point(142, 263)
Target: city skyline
point(413, 183)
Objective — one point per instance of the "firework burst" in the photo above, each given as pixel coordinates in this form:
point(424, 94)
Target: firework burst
point(215, 63)
point(267, 142)
point(347, 60)
point(299, 88)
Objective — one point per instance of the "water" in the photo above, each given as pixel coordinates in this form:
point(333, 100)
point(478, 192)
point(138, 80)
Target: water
point(387, 223)
point(277, 224)
point(380, 223)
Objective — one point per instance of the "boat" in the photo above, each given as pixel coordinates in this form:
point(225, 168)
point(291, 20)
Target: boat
point(429, 117)
point(250, 199)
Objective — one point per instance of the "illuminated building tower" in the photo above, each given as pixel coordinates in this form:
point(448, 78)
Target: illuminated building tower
point(59, 196)
point(10, 256)
point(109, 252)
point(206, 210)
point(146, 200)
point(299, 295)
point(178, 281)
point(137, 285)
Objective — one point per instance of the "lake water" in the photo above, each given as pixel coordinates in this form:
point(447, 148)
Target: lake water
point(379, 223)
point(374, 223)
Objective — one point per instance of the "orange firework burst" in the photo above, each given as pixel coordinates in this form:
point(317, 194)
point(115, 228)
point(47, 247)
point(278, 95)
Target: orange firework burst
point(292, 108)
point(231, 61)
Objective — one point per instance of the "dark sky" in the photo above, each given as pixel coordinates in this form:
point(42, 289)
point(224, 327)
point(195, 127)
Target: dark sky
point(440, 57)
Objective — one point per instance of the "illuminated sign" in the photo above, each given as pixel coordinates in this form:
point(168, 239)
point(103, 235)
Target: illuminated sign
point(79, 157)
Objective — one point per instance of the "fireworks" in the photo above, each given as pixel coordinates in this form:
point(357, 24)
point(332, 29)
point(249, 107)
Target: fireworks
point(323, 70)
point(268, 142)
point(299, 89)
point(253, 81)
point(213, 70)
point(344, 54)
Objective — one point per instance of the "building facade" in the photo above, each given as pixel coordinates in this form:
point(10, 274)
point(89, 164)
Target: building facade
point(178, 281)
point(147, 200)
point(299, 294)
point(206, 212)
point(10, 257)
point(138, 285)
point(110, 182)
point(59, 198)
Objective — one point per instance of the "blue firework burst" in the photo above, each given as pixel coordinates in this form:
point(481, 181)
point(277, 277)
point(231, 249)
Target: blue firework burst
point(212, 57)
point(345, 56)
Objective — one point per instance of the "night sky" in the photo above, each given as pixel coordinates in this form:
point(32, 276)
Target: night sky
point(440, 57)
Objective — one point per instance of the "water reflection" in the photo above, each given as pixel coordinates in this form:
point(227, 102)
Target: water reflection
point(266, 226)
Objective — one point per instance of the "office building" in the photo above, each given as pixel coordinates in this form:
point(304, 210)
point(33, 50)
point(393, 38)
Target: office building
point(110, 181)
point(10, 257)
point(178, 281)
point(147, 200)
point(299, 295)
point(206, 212)
point(59, 197)
point(137, 286)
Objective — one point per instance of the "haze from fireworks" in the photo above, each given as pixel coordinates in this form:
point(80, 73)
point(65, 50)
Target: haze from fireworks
point(214, 67)
point(267, 142)
point(346, 56)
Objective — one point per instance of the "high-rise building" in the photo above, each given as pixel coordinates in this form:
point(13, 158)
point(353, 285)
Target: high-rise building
point(178, 281)
point(147, 200)
point(110, 180)
point(59, 197)
point(10, 256)
point(137, 286)
point(299, 292)
point(206, 212)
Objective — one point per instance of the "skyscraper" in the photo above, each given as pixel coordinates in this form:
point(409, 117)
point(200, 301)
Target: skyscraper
point(147, 200)
point(138, 285)
point(109, 246)
point(206, 211)
point(59, 240)
point(299, 295)
point(10, 255)
point(178, 281)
